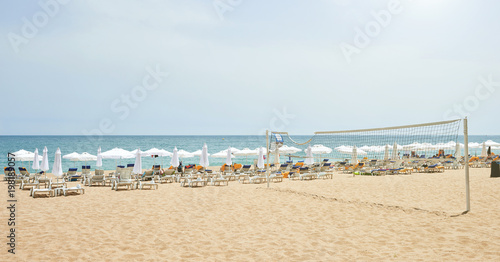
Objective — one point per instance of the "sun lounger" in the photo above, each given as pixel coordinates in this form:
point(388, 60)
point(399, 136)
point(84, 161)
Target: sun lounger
point(123, 180)
point(71, 175)
point(98, 178)
point(27, 184)
point(49, 190)
point(78, 189)
point(219, 181)
point(168, 176)
point(149, 184)
point(276, 177)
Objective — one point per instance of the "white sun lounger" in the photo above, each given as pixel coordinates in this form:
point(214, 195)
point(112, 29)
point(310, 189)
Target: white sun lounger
point(49, 190)
point(77, 188)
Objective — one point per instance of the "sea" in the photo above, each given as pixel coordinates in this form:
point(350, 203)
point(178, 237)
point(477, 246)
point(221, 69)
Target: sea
point(80, 144)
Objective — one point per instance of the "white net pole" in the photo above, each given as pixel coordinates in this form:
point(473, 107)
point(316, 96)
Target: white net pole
point(466, 149)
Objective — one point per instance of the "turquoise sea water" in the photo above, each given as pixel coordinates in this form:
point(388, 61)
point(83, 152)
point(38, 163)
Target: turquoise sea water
point(80, 144)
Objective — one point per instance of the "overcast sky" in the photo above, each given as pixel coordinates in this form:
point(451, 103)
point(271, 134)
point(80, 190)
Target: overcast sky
point(237, 67)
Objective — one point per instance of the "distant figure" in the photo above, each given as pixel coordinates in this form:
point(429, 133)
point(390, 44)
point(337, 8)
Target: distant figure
point(179, 168)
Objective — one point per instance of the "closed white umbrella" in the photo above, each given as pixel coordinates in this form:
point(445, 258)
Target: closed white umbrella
point(483, 151)
point(354, 156)
point(458, 151)
point(45, 162)
point(229, 161)
point(386, 152)
point(138, 163)
point(99, 158)
point(36, 160)
point(175, 159)
point(204, 157)
point(57, 167)
point(260, 160)
point(395, 151)
point(309, 156)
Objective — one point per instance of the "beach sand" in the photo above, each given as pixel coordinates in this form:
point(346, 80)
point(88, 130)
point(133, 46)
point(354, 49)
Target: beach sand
point(403, 217)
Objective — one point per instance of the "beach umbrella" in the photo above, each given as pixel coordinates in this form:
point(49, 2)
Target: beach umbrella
point(175, 159)
point(489, 151)
point(156, 151)
point(348, 150)
point(204, 157)
point(354, 157)
point(138, 163)
point(72, 157)
point(36, 160)
point(386, 152)
point(184, 154)
point(483, 151)
point(221, 154)
point(260, 159)
point(309, 156)
point(57, 167)
point(492, 143)
point(288, 150)
point(87, 157)
point(458, 151)
point(246, 152)
point(45, 162)
point(474, 145)
point(395, 151)
point(229, 161)
point(117, 153)
point(21, 152)
point(320, 150)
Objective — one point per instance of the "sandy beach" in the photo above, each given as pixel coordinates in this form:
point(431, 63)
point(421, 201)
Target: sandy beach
point(403, 217)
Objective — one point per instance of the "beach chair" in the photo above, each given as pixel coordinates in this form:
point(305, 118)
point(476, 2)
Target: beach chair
point(193, 182)
point(147, 175)
point(9, 173)
point(283, 168)
point(276, 177)
point(97, 178)
point(78, 189)
point(49, 190)
point(149, 184)
point(258, 177)
point(130, 167)
point(24, 172)
point(306, 174)
point(60, 182)
point(219, 181)
point(71, 175)
point(28, 184)
point(124, 179)
point(168, 176)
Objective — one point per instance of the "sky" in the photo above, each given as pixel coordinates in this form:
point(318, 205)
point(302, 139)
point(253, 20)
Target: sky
point(240, 67)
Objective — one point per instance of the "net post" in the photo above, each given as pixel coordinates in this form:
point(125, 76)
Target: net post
point(466, 152)
point(267, 157)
